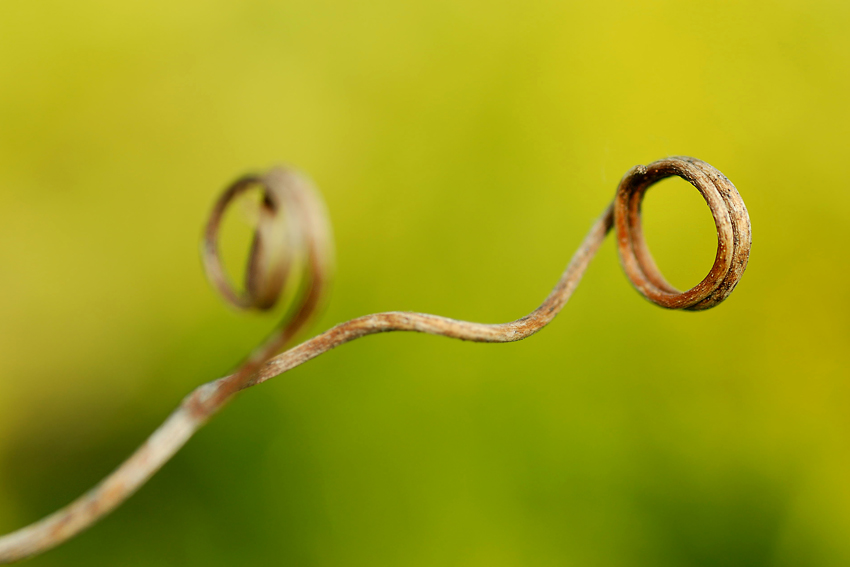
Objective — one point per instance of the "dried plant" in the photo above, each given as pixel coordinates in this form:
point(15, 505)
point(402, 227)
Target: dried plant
point(292, 238)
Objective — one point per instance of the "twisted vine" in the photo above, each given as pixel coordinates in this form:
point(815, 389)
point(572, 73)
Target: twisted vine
point(292, 241)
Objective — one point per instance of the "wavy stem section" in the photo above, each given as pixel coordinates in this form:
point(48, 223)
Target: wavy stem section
point(208, 399)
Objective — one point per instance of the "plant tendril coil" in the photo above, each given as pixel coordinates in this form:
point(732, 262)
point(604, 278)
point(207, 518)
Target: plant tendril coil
point(730, 219)
point(292, 231)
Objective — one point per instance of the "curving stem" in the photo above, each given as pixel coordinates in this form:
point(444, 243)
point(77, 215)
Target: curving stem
point(287, 189)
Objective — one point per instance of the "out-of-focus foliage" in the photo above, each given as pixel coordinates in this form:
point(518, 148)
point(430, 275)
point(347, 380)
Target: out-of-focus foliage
point(463, 148)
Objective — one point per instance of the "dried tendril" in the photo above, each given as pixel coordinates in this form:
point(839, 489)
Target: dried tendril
point(292, 228)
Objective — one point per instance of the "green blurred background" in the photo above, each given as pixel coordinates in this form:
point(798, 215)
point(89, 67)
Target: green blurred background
point(463, 148)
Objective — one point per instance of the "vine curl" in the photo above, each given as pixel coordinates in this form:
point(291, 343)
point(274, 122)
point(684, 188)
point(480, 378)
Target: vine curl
point(292, 238)
point(730, 219)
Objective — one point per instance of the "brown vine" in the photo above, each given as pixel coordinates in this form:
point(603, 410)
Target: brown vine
point(292, 236)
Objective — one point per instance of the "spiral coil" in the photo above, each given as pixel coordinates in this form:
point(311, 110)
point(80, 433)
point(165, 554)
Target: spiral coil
point(730, 218)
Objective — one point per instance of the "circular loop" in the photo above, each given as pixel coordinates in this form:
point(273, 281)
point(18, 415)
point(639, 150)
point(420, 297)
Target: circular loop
point(270, 257)
point(730, 219)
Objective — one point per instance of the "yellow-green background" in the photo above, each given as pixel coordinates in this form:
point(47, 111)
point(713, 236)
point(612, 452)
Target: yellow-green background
point(463, 148)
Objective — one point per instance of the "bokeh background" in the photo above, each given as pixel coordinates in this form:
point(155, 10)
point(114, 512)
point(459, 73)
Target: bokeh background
point(463, 148)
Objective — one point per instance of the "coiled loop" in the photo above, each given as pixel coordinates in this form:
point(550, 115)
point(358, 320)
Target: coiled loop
point(730, 218)
point(292, 241)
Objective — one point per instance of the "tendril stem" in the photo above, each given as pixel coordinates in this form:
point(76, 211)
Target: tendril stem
point(287, 189)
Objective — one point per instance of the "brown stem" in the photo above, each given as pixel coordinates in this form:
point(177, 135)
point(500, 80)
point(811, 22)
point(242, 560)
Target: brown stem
point(733, 249)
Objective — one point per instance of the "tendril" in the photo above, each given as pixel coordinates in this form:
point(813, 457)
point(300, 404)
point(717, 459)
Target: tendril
point(292, 241)
point(730, 219)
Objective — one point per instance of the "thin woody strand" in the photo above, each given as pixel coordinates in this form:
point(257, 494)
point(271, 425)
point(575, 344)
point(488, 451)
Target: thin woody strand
point(198, 407)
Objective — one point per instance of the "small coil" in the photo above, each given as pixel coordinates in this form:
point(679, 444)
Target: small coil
point(292, 241)
point(730, 218)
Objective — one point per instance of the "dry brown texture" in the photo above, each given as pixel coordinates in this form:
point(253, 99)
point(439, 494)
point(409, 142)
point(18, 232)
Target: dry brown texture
point(289, 198)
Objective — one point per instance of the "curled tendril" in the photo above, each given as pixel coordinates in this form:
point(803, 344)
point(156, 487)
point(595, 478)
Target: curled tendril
point(292, 223)
point(730, 218)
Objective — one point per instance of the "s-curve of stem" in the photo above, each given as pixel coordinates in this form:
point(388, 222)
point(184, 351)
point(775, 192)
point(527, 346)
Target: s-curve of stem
point(292, 236)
